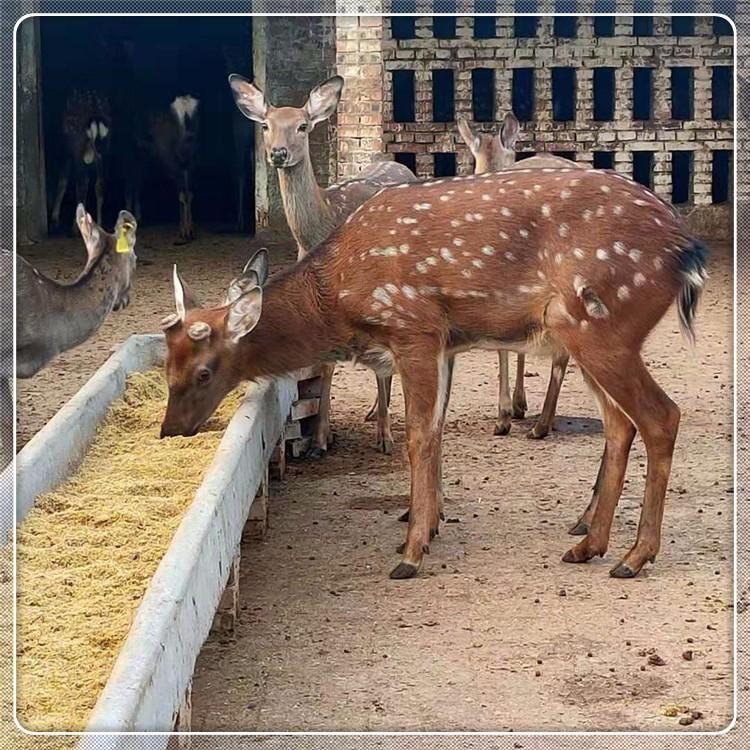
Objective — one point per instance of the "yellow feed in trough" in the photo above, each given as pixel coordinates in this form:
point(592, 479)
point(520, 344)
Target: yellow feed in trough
point(87, 551)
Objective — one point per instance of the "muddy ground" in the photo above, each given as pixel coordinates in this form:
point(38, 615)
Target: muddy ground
point(496, 633)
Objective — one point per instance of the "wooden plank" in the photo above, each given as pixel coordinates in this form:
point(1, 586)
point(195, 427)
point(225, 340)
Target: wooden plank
point(307, 407)
point(311, 388)
point(300, 446)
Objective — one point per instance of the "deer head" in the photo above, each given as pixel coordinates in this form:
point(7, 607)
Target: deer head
point(286, 129)
point(492, 153)
point(201, 343)
point(119, 246)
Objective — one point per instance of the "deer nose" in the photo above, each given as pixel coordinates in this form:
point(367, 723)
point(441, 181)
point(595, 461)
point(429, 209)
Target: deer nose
point(278, 155)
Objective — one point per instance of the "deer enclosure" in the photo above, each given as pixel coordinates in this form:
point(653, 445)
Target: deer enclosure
point(487, 234)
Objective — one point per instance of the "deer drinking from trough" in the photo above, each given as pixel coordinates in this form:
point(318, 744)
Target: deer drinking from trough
point(86, 132)
point(493, 153)
point(52, 317)
point(582, 261)
point(313, 212)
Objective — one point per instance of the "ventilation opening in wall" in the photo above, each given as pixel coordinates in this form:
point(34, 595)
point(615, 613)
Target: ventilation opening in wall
point(483, 94)
point(720, 176)
point(444, 27)
point(443, 96)
point(682, 176)
point(522, 96)
point(643, 167)
point(408, 159)
point(604, 160)
point(643, 96)
point(445, 165)
point(563, 94)
point(722, 27)
point(521, 155)
point(484, 26)
point(643, 26)
point(403, 27)
point(569, 155)
point(604, 25)
point(682, 93)
point(565, 27)
point(683, 26)
point(524, 27)
point(604, 94)
point(721, 92)
point(403, 96)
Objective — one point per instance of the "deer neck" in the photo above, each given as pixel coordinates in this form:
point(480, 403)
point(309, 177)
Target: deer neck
point(84, 304)
point(298, 326)
point(308, 212)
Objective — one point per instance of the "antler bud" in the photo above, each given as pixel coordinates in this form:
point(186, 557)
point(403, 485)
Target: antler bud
point(199, 330)
point(170, 321)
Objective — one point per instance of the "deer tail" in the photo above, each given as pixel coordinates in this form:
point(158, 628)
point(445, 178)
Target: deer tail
point(692, 269)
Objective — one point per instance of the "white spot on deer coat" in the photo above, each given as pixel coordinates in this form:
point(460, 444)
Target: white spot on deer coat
point(422, 206)
point(639, 279)
point(183, 107)
point(447, 255)
point(455, 223)
point(605, 188)
point(458, 242)
point(409, 291)
point(510, 256)
point(623, 292)
point(578, 253)
point(634, 255)
point(478, 262)
point(488, 250)
point(445, 198)
point(406, 220)
point(619, 247)
point(524, 233)
point(602, 254)
point(546, 210)
point(504, 235)
point(563, 230)
point(431, 260)
point(587, 215)
point(617, 210)
point(486, 197)
point(565, 193)
point(380, 295)
point(421, 267)
point(466, 273)
point(391, 288)
point(658, 263)
point(505, 211)
point(639, 202)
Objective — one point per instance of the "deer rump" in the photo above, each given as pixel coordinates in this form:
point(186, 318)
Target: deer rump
point(486, 262)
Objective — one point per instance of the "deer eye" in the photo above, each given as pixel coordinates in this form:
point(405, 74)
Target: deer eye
point(203, 375)
point(302, 128)
point(264, 125)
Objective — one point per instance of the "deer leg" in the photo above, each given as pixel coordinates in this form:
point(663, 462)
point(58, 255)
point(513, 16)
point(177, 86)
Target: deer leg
point(519, 391)
point(62, 186)
point(544, 424)
point(190, 229)
point(502, 426)
point(384, 436)
point(99, 191)
point(322, 436)
point(582, 525)
point(424, 386)
point(618, 433)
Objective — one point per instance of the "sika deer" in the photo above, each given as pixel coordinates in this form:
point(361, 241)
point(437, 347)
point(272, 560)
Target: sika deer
point(493, 153)
point(86, 130)
point(581, 260)
point(52, 317)
point(311, 211)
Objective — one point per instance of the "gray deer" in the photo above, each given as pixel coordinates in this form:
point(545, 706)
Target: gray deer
point(313, 212)
point(52, 317)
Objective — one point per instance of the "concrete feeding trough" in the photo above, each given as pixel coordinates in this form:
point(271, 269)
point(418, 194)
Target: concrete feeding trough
point(195, 585)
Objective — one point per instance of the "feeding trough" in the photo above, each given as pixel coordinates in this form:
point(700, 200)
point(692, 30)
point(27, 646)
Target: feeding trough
point(148, 688)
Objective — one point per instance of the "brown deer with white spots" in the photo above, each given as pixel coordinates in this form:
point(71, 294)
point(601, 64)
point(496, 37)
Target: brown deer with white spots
point(314, 212)
point(552, 260)
point(493, 153)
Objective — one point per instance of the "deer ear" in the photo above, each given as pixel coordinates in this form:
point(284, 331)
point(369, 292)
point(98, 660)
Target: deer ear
point(249, 99)
point(244, 314)
point(323, 100)
point(470, 138)
point(259, 264)
point(184, 299)
point(89, 231)
point(510, 131)
point(125, 232)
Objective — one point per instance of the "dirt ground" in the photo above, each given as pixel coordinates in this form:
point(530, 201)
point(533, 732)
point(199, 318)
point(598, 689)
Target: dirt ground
point(495, 633)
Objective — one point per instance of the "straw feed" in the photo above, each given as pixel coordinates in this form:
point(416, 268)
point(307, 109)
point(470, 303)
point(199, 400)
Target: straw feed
point(87, 551)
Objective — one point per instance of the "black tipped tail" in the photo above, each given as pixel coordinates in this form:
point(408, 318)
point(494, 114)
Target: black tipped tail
point(692, 268)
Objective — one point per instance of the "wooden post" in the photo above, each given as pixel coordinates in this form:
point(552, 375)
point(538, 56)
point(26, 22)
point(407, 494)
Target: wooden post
point(226, 613)
point(183, 722)
point(32, 193)
point(257, 520)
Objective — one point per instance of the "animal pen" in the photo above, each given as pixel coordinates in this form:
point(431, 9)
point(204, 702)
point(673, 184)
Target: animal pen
point(650, 97)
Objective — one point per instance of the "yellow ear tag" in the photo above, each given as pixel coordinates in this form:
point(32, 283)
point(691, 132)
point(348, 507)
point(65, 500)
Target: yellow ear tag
point(122, 246)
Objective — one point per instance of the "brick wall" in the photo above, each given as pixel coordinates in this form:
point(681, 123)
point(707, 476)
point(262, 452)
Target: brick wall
point(359, 59)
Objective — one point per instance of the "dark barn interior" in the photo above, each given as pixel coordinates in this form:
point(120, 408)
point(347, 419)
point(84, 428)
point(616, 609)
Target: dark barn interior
point(140, 65)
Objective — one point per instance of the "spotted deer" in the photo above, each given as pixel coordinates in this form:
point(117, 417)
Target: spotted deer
point(583, 261)
point(493, 153)
point(86, 132)
point(53, 317)
point(314, 212)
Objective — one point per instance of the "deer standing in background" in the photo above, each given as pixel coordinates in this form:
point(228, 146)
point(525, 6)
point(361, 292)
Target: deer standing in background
point(583, 261)
point(173, 137)
point(52, 317)
point(86, 130)
point(314, 212)
point(493, 153)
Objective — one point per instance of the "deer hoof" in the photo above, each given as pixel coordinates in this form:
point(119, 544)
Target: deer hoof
point(404, 517)
point(580, 528)
point(537, 432)
point(316, 453)
point(502, 428)
point(519, 412)
point(385, 445)
point(623, 570)
point(404, 570)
